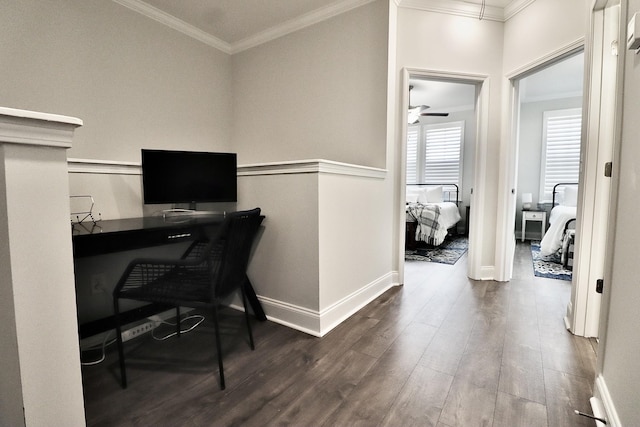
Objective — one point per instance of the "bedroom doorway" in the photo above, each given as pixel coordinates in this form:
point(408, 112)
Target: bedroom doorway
point(548, 135)
point(451, 105)
point(600, 125)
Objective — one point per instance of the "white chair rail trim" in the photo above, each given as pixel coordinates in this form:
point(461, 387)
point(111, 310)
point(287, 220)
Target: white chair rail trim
point(311, 166)
point(273, 168)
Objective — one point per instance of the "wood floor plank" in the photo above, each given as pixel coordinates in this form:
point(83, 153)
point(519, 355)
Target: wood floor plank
point(440, 350)
point(512, 411)
point(566, 353)
point(468, 405)
point(521, 373)
point(566, 393)
point(481, 368)
point(317, 394)
point(370, 401)
point(420, 401)
point(445, 351)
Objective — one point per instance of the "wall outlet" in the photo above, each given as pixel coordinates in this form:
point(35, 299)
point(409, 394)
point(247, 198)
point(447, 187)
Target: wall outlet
point(98, 283)
point(137, 331)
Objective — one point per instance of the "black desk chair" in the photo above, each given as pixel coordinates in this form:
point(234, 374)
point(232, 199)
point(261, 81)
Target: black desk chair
point(207, 273)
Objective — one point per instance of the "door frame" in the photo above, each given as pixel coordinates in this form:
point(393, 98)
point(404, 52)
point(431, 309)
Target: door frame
point(476, 216)
point(507, 194)
point(602, 129)
point(583, 310)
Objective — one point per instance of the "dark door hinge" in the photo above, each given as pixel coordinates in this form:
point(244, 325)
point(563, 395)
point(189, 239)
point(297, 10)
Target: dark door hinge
point(599, 285)
point(608, 168)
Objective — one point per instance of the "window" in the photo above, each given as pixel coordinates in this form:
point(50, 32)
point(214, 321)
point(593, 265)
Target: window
point(560, 149)
point(413, 136)
point(434, 153)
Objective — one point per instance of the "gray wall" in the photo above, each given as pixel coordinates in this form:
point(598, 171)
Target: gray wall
point(133, 81)
point(318, 93)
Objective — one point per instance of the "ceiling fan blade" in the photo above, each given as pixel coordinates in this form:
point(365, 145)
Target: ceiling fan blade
point(435, 114)
point(414, 107)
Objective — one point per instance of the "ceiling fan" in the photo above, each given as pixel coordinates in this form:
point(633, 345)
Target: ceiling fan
point(415, 112)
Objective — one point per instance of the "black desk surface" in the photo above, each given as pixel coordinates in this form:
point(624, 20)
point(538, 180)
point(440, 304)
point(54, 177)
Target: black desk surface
point(134, 233)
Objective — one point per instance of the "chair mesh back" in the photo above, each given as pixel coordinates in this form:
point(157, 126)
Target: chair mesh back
point(240, 229)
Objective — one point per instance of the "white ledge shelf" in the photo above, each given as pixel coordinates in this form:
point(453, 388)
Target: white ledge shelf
point(36, 128)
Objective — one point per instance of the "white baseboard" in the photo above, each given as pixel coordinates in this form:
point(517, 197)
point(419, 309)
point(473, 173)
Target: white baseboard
point(487, 272)
point(338, 312)
point(602, 395)
point(319, 323)
point(292, 316)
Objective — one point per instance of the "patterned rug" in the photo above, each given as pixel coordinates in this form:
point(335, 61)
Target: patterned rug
point(448, 252)
point(548, 266)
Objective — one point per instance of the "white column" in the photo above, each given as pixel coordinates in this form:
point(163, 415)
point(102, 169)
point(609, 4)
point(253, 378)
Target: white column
point(40, 378)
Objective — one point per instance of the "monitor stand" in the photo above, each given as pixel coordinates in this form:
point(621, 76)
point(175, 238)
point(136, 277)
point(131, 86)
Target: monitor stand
point(186, 213)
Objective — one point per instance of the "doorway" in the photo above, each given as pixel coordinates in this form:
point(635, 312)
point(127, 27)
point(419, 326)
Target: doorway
point(548, 137)
point(593, 200)
point(451, 97)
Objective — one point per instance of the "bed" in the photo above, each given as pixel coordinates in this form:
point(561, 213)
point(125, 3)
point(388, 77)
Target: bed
point(431, 213)
point(560, 236)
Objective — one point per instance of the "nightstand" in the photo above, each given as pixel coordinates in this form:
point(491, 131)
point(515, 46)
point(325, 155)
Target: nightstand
point(534, 216)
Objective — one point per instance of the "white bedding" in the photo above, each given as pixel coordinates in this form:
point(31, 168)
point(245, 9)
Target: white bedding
point(552, 240)
point(449, 214)
point(433, 220)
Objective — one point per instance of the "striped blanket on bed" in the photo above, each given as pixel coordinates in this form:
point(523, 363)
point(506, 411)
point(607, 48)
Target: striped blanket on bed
point(428, 229)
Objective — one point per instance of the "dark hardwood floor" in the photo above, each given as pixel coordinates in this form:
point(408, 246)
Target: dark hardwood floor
point(442, 350)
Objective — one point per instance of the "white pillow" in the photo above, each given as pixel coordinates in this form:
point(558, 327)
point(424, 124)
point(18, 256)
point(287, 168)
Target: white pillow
point(431, 195)
point(570, 197)
point(412, 197)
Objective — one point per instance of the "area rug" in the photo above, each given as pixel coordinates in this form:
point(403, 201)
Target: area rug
point(449, 252)
point(548, 266)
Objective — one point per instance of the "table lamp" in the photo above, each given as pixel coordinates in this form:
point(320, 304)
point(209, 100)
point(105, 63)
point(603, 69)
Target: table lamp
point(527, 199)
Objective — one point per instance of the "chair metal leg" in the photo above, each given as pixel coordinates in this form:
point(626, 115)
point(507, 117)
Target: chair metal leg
point(253, 300)
point(123, 373)
point(218, 346)
point(246, 316)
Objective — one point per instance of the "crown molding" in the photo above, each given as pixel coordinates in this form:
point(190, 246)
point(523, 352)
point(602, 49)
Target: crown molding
point(175, 23)
point(298, 23)
point(273, 33)
point(451, 7)
point(455, 7)
point(469, 10)
point(515, 7)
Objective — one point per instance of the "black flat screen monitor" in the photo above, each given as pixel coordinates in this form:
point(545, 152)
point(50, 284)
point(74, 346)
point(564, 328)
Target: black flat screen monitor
point(188, 177)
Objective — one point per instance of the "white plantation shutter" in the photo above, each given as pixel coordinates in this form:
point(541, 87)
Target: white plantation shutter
point(413, 134)
point(560, 149)
point(443, 153)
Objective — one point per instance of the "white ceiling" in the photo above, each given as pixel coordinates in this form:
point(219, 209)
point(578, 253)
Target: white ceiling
point(230, 22)
point(235, 20)
point(560, 80)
